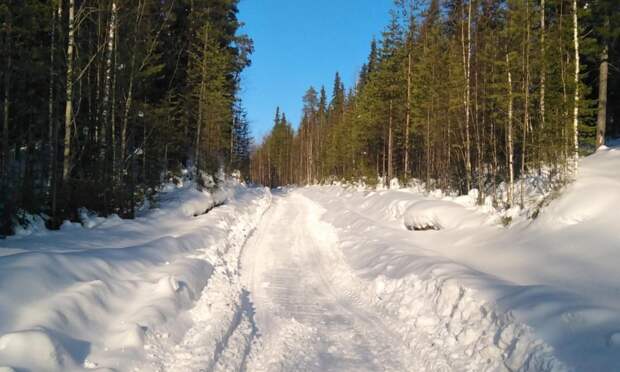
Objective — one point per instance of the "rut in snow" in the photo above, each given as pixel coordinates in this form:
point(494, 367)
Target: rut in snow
point(306, 322)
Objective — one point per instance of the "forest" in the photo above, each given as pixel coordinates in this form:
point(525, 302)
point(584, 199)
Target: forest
point(461, 95)
point(448, 202)
point(102, 100)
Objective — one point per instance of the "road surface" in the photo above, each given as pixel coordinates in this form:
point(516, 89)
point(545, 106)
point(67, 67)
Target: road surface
point(306, 320)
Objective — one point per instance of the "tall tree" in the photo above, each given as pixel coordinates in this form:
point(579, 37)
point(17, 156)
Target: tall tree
point(66, 168)
point(576, 96)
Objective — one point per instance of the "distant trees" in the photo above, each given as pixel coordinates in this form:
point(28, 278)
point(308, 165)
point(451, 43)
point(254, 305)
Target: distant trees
point(100, 99)
point(460, 94)
point(274, 163)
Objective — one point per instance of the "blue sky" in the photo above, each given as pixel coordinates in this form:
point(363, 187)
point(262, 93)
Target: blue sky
point(299, 43)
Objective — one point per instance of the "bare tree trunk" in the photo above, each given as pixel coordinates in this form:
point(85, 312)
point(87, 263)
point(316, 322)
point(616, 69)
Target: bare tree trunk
point(383, 160)
point(129, 101)
point(467, 98)
point(123, 150)
point(108, 80)
point(576, 98)
point(53, 127)
point(310, 157)
point(526, 93)
point(303, 156)
point(601, 120)
point(495, 160)
point(479, 138)
point(165, 167)
point(100, 41)
point(428, 149)
point(201, 99)
point(390, 174)
point(115, 175)
point(50, 99)
point(144, 158)
point(270, 178)
point(7, 91)
point(66, 168)
point(408, 115)
point(448, 150)
point(543, 69)
point(565, 114)
point(232, 140)
point(307, 148)
point(510, 149)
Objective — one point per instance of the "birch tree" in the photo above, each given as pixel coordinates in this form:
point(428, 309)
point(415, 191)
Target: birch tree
point(575, 164)
point(66, 169)
point(509, 135)
point(543, 67)
point(467, 91)
point(108, 130)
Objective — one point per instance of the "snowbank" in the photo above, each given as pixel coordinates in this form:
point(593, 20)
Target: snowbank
point(438, 215)
point(593, 198)
point(85, 298)
point(540, 295)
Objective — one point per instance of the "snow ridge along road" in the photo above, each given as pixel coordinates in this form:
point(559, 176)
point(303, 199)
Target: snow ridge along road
point(321, 282)
point(118, 295)
point(222, 325)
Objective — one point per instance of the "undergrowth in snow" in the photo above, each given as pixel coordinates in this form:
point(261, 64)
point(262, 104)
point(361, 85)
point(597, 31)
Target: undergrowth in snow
point(531, 193)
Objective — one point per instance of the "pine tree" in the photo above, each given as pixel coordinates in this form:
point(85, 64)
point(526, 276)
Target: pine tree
point(97, 116)
point(464, 94)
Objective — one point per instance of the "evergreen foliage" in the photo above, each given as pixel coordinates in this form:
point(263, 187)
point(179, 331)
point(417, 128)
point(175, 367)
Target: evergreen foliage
point(102, 100)
point(458, 94)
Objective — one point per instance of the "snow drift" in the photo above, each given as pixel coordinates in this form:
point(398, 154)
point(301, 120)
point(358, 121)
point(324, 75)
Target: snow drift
point(164, 291)
point(541, 295)
point(92, 297)
point(439, 215)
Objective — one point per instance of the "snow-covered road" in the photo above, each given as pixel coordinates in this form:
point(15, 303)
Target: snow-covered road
point(321, 278)
point(307, 321)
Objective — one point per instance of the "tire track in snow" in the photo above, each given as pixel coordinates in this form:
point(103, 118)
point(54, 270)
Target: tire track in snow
point(223, 327)
point(288, 272)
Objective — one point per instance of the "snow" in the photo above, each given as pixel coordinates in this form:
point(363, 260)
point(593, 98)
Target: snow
point(94, 296)
point(289, 271)
point(439, 215)
point(539, 295)
point(431, 302)
point(324, 278)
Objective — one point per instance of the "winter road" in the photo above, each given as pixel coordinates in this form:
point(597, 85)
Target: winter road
point(306, 320)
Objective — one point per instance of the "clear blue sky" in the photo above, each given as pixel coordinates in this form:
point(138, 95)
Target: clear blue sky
point(299, 43)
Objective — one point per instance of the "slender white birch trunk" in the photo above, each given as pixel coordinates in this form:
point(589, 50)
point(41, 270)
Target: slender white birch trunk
point(510, 144)
point(576, 99)
point(108, 77)
point(66, 168)
point(543, 70)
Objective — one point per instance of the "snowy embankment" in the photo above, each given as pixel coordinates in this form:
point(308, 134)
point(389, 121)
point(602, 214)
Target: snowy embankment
point(468, 293)
point(109, 296)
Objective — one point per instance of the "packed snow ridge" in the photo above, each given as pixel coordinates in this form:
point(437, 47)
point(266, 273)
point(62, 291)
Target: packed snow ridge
point(322, 278)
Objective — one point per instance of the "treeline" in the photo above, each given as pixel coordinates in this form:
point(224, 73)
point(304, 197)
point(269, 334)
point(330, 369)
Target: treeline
point(460, 95)
point(101, 100)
